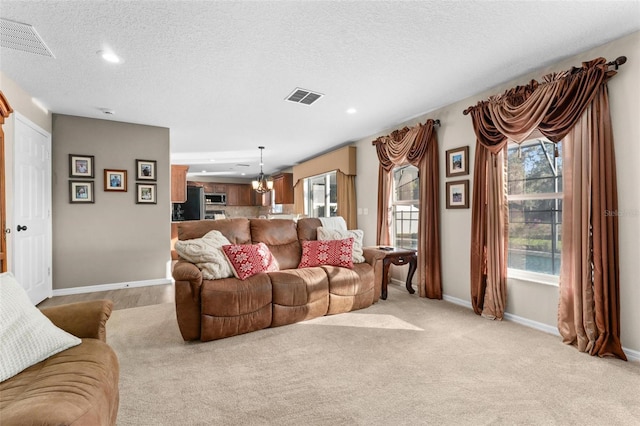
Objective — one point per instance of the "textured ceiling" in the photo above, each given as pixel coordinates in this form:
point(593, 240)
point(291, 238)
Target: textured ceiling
point(217, 73)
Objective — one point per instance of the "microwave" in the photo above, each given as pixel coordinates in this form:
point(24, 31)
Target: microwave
point(216, 198)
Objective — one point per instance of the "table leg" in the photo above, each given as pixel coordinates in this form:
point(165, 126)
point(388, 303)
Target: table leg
point(413, 265)
point(385, 277)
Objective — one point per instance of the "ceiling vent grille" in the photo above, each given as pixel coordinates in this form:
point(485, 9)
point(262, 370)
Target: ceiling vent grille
point(303, 96)
point(23, 37)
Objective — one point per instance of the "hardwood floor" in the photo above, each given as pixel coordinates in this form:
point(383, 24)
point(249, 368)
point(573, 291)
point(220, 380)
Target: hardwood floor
point(122, 298)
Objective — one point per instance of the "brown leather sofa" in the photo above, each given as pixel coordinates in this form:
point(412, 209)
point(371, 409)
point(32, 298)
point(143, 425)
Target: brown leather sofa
point(78, 386)
point(214, 309)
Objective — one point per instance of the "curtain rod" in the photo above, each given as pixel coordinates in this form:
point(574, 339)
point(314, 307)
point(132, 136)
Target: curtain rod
point(436, 122)
point(620, 60)
point(615, 63)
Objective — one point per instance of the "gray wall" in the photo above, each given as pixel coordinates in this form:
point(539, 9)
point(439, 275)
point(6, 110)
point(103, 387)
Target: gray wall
point(113, 240)
point(529, 300)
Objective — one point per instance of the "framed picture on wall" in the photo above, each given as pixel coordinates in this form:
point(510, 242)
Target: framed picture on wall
point(115, 180)
point(145, 193)
point(80, 166)
point(458, 161)
point(458, 194)
point(80, 191)
point(145, 170)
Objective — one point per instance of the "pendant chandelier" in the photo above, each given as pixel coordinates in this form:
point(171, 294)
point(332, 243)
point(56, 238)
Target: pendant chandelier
point(261, 184)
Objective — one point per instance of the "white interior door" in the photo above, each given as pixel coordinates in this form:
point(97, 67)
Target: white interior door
point(32, 253)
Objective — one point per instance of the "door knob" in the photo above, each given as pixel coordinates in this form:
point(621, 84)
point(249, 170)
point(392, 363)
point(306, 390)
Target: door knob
point(22, 228)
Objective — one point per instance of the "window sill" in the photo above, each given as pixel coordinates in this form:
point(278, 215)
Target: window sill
point(533, 277)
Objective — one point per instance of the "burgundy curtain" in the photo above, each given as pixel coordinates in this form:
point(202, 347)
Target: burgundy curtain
point(418, 146)
point(555, 107)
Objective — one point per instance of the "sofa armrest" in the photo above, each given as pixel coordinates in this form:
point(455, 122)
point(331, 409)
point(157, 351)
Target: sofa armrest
point(187, 271)
point(372, 255)
point(82, 319)
point(187, 287)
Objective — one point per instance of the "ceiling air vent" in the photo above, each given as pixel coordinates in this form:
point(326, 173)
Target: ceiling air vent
point(303, 96)
point(23, 37)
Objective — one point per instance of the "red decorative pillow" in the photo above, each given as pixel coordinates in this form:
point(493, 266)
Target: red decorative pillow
point(328, 252)
point(249, 259)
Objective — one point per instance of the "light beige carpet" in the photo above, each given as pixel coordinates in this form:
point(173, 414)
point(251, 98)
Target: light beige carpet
point(403, 361)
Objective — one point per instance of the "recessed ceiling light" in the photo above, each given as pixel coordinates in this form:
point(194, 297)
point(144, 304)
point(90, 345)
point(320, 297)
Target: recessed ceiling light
point(109, 56)
point(352, 111)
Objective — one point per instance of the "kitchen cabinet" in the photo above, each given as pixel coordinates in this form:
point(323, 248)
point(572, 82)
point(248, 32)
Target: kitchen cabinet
point(179, 183)
point(239, 194)
point(283, 188)
point(218, 188)
point(211, 187)
point(264, 200)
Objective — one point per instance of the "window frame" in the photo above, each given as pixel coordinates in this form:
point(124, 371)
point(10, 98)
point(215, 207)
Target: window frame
point(523, 274)
point(308, 210)
point(394, 202)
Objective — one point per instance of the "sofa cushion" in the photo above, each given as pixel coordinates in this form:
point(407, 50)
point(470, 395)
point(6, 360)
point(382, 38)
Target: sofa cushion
point(337, 234)
point(307, 228)
point(76, 387)
point(230, 307)
point(249, 259)
point(27, 336)
point(281, 237)
point(350, 289)
point(206, 253)
point(236, 230)
point(332, 252)
point(298, 295)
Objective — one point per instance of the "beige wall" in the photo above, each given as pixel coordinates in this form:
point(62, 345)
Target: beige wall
point(113, 240)
point(22, 103)
point(534, 301)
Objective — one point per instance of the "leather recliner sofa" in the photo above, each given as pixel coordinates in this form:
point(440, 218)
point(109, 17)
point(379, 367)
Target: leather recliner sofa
point(214, 309)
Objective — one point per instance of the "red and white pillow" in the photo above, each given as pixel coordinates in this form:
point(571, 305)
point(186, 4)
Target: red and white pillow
point(329, 252)
point(250, 259)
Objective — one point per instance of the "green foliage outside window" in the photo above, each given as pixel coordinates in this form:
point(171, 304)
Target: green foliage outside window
point(534, 179)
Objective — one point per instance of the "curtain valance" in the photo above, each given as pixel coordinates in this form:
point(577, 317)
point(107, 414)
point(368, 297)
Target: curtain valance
point(406, 145)
point(342, 160)
point(553, 106)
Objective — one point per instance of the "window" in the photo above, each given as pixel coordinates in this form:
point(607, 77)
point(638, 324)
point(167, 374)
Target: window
point(534, 180)
point(405, 207)
point(321, 195)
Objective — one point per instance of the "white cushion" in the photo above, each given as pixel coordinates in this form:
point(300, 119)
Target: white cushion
point(26, 335)
point(206, 253)
point(341, 234)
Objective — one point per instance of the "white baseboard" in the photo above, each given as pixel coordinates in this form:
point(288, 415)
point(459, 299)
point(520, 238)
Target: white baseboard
point(631, 354)
point(112, 286)
point(456, 301)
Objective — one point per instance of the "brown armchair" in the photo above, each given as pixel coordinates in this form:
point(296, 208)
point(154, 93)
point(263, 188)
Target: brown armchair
point(78, 386)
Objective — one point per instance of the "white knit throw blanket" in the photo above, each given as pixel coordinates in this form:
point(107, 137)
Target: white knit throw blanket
point(336, 222)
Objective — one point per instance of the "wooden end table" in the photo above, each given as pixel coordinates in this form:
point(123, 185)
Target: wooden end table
point(398, 256)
